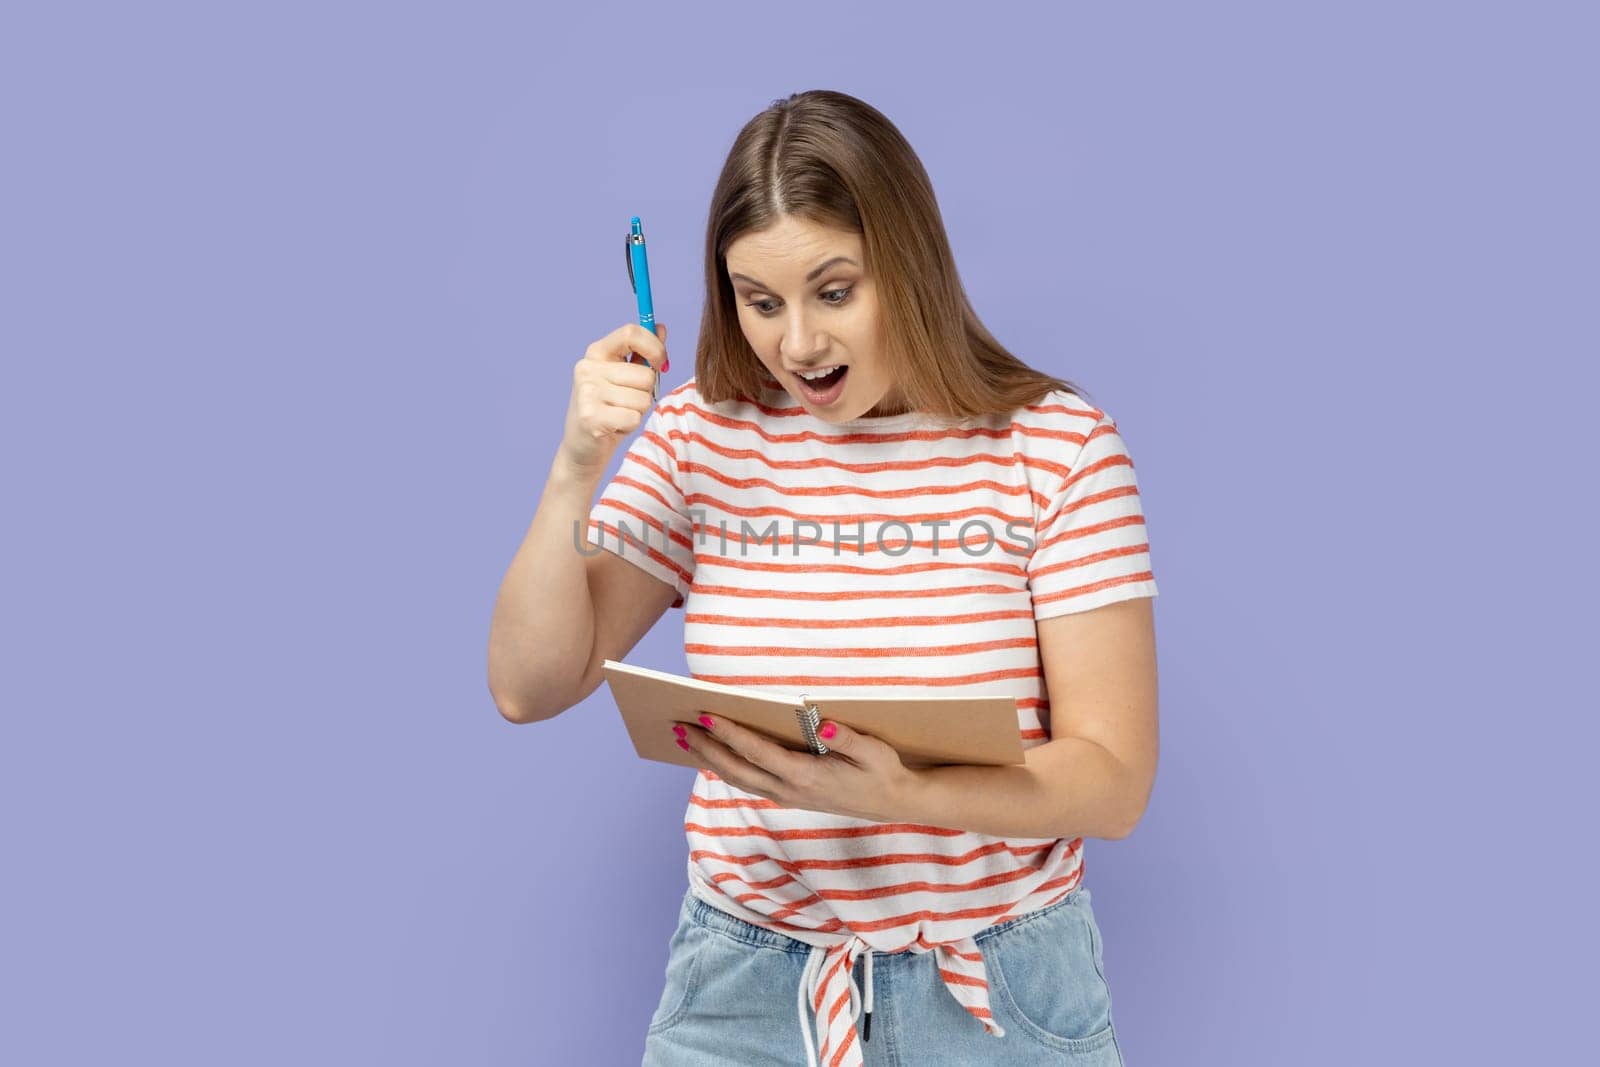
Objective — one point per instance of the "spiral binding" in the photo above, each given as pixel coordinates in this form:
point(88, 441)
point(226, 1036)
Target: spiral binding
point(810, 718)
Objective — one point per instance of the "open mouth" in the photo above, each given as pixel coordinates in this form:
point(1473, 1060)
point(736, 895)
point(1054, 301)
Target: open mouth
point(824, 390)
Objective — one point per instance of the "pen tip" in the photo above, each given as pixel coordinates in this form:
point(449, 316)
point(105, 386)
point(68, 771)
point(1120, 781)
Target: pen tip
point(636, 227)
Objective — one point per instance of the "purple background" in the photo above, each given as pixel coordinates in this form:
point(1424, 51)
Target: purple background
point(291, 301)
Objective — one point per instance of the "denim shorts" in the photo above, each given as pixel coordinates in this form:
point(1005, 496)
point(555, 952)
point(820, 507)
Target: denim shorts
point(731, 986)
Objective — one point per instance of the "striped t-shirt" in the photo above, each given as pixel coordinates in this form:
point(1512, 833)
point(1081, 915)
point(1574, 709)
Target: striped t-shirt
point(827, 558)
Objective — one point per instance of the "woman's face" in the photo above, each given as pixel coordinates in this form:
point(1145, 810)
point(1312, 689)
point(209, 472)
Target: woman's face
point(807, 303)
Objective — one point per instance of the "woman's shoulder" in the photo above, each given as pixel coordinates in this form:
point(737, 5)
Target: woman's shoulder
point(679, 398)
point(1059, 418)
point(1059, 406)
point(685, 399)
point(679, 407)
point(771, 412)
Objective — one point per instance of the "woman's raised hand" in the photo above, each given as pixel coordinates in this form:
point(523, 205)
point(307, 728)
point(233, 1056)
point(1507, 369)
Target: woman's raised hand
point(611, 397)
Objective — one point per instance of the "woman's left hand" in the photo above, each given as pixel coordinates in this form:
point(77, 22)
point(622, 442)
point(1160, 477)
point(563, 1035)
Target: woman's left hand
point(860, 776)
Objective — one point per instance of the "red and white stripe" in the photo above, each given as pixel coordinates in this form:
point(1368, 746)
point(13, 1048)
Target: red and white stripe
point(867, 619)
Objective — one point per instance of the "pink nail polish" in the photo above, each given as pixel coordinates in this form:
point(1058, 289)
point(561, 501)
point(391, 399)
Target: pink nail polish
point(683, 744)
point(679, 729)
point(828, 730)
point(705, 720)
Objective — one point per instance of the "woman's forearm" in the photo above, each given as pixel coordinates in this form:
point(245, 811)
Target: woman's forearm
point(1068, 787)
point(543, 627)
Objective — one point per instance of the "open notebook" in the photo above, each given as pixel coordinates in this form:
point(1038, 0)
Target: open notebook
point(926, 731)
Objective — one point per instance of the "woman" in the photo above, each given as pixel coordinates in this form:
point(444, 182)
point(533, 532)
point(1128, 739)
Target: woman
point(926, 514)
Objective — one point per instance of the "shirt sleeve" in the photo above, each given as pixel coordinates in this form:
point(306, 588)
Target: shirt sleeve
point(641, 516)
point(1090, 544)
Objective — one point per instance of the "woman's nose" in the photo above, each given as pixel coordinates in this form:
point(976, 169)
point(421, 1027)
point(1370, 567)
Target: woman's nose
point(799, 340)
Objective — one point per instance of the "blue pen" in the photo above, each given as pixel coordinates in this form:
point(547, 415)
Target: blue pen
point(639, 278)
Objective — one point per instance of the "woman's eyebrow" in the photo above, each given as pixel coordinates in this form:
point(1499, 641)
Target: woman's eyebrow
point(809, 277)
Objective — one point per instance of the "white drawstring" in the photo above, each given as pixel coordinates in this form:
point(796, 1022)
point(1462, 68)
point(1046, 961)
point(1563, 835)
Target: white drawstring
point(813, 962)
point(810, 978)
point(869, 981)
point(869, 996)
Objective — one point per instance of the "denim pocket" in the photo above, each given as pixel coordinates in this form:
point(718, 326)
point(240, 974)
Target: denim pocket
point(1048, 975)
point(682, 977)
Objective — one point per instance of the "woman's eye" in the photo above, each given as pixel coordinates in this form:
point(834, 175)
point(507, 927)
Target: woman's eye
point(843, 294)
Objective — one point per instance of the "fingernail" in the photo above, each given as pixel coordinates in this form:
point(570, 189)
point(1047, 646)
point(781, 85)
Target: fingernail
point(680, 729)
point(683, 744)
point(705, 720)
point(828, 730)
point(666, 364)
